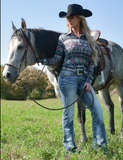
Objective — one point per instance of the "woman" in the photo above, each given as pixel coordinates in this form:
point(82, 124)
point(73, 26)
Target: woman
point(77, 71)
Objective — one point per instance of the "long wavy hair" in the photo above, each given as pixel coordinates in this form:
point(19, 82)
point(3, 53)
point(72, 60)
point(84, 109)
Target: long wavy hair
point(86, 30)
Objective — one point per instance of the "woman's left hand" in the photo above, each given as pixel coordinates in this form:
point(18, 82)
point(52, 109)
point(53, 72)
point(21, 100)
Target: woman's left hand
point(88, 86)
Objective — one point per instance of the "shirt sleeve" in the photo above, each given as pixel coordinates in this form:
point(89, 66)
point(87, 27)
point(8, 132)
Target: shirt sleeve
point(57, 57)
point(90, 71)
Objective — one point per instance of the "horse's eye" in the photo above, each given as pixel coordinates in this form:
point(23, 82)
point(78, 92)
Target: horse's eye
point(20, 47)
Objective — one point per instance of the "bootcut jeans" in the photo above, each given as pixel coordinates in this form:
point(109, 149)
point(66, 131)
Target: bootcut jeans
point(70, 85)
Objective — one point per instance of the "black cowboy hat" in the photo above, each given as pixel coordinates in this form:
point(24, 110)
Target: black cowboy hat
point(75, 9)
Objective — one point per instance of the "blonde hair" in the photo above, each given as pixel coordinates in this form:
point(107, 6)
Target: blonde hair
point(86, 30)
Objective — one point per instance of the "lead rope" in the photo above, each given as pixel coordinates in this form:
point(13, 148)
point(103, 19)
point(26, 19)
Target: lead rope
point(83, 91)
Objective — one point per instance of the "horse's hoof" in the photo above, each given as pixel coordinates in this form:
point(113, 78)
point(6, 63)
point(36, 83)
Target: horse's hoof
point(81, 145)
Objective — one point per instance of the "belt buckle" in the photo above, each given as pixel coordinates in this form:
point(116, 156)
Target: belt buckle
point(80, 72)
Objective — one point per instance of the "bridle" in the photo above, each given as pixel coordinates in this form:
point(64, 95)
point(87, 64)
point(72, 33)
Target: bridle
point(27, 42)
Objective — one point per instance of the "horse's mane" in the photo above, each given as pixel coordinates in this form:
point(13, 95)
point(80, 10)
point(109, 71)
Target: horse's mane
point(45, 41)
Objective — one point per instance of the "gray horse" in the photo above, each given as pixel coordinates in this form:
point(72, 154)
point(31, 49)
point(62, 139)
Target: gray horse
point(27, 46)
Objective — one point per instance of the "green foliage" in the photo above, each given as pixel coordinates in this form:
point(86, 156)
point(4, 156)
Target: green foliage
point(35, 94)
point(41, 89)
point(30, 132)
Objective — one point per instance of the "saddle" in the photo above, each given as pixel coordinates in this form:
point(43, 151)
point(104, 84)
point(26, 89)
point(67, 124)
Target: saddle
point(103, 48)
point(103, 43)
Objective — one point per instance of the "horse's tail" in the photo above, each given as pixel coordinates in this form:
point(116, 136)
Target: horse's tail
point(113, 92)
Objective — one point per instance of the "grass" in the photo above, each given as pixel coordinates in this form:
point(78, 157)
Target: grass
point(29, 132)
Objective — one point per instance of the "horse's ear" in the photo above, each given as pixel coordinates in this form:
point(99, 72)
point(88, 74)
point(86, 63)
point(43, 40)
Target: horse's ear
point(13, 27)
point(23, 24)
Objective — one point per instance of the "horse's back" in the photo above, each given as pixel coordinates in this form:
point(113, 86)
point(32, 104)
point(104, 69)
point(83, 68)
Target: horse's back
point(117, 49)
point(117, 56)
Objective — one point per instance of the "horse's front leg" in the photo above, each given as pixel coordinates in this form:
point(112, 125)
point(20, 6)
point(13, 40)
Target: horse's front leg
point(81, 119)
point(106, 98)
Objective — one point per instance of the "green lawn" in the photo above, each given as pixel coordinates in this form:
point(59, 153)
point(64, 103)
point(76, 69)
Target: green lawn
point(31, 132)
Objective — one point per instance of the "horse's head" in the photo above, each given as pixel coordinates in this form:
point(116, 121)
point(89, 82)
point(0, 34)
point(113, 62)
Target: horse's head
point(21, 52)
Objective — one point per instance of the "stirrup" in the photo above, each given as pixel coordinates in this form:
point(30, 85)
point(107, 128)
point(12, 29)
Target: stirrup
point(102, 81)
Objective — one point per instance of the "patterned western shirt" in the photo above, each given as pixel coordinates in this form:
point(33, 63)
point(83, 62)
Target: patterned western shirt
point(78, 54)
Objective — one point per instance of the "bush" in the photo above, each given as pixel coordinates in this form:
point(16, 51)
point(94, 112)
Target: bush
point(35, 94)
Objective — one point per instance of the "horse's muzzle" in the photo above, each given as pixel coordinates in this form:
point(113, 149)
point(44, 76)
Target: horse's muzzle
point(10, 76)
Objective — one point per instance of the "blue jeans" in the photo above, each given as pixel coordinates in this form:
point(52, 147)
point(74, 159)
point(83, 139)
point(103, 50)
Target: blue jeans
point(70, 85)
